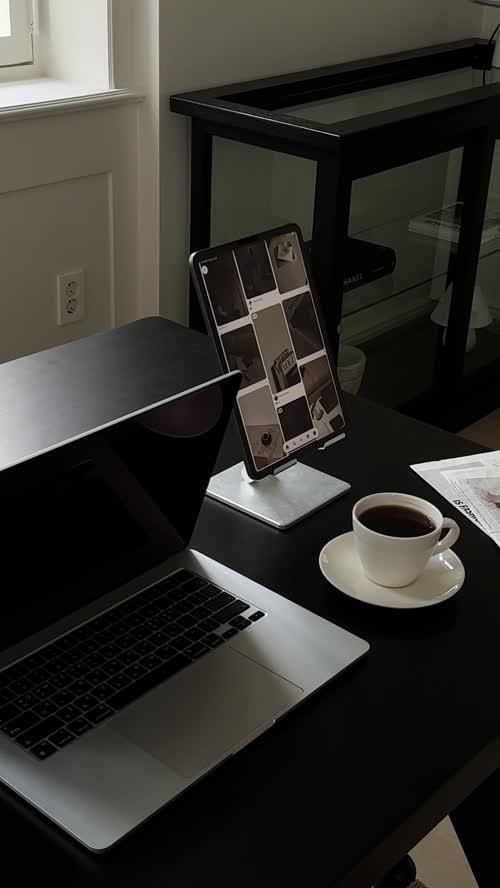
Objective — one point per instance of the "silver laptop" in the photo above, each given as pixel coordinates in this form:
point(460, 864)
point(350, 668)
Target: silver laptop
point(130, 665)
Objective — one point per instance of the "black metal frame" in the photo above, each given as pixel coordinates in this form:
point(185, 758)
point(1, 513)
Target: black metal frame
point(352, 149)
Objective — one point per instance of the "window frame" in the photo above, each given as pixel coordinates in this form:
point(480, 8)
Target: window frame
point(17, 49)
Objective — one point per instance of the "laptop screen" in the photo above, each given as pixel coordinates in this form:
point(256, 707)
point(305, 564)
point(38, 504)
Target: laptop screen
point(92, 514)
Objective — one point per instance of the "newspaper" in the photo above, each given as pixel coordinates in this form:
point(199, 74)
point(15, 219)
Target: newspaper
point(471, 484)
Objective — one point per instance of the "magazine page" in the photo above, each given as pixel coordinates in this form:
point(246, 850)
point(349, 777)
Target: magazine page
point(471, 484)
point(479, 489)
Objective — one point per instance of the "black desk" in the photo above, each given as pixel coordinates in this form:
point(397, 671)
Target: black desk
point(348, 783)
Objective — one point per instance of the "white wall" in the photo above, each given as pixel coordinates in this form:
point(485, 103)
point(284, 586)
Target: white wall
point(68, 199)
point(203, 44)
point(136, 65)
point(73, 41)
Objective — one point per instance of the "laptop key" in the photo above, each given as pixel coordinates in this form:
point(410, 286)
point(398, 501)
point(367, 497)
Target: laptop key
point(196, 598)
point(220, 600)
point(27, 701)
point(96, 677)
point(240, 623)
point(63, 698)
point(25, 721)
point(209, 625)
point(166, 652)
point(134, 672)
point(44, 709)
point(66, 643)
point(59, 682)
point(88, 647)
point(95, 661)
point(99, 714)
point(150, 662)
point(44, 690)
point(117, 682)
point(213, 641)
point(149, 681)
point(155, 623)
point(69, 712)
point(128, 658)
point(102, 692)
point(180, 643)
point(111, 650)
point(172, 630)
point(9, 712)
point(6, 696)
point(43, 750)
point(52, 668)
point(144, 647)
point(112, 667)
point(150, 610)
point(79, 726)
point(80, 687)
point(195, 634)
point(196, 650)
point(194, 584)
point(134, 620)
point(210, 591)
point(231, 611)
point(201, 612)
point(230, 633)
point(256, 616)
point(22, 686)
point(159, 638)
point(182, 576)
point(38, 733)
point(61, 738)
point(88, 701)
point(78, 670)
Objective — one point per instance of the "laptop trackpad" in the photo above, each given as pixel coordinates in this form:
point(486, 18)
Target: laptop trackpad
point(196, 718)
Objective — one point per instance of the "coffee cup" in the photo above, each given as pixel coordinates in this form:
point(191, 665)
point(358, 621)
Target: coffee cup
point(396, 534)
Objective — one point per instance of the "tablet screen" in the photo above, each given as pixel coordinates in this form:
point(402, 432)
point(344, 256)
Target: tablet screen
point(260, 299)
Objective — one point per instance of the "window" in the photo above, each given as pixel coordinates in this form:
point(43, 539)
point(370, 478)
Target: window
point(16, 44)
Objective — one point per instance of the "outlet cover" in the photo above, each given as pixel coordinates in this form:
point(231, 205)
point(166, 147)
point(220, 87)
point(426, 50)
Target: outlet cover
point(70, 297)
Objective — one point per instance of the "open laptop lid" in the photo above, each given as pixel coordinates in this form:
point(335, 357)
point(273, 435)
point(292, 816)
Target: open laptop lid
point(90, 514)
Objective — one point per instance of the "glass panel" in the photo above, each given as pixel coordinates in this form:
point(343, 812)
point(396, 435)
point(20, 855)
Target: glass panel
point(397, 317)
point(484, 331)
point(254, 189)
point(383, 98)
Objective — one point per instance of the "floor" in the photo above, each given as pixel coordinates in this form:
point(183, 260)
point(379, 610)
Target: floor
point(486, 431)
point(440, 860)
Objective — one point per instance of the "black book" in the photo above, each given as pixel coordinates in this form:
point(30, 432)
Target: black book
point(365, 262)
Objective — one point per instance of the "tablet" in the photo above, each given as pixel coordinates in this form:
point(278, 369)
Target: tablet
point(260, 304)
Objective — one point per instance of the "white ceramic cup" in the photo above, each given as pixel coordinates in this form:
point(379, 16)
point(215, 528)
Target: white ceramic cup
point(398, 561)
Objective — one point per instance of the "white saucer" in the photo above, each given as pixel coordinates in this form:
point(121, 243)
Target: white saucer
point(442, 578)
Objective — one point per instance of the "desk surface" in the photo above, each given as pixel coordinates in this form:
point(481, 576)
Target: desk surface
point(344, 786)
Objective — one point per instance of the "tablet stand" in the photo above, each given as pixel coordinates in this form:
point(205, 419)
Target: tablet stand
point(283, 499)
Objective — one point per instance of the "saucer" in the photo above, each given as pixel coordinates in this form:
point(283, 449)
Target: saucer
point(441, 579)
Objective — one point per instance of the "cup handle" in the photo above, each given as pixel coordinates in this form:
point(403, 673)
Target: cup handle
point(450, 539)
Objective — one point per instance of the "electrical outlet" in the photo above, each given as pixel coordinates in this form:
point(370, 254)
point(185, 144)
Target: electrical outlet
point(70, 297)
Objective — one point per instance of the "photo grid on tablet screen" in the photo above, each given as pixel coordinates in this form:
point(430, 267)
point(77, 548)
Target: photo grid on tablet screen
point(260, 298)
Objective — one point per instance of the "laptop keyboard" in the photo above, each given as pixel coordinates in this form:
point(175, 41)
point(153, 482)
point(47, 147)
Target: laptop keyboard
point(77, 682)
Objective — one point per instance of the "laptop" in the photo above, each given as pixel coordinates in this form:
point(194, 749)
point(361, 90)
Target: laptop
point(130, 665)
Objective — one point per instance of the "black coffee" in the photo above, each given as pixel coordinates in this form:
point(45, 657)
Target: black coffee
point(397, 521)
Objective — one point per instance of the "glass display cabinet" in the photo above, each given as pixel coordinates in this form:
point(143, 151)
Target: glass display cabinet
point(388, 165)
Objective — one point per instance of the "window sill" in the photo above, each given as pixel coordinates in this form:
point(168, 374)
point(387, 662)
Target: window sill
point(44, 97)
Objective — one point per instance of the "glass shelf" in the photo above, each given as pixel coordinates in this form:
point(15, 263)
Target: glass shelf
point(397, 95)
point(422, 261)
